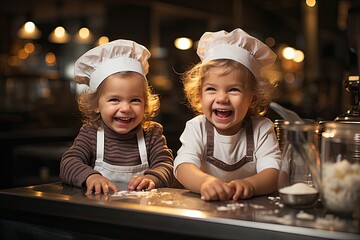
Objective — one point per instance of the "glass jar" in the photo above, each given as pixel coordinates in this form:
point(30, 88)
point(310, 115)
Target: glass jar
point(280, 132)
point(340, 166)
point(300, 161)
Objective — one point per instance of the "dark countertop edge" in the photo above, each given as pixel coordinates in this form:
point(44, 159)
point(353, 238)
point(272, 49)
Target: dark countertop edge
point(25, 200)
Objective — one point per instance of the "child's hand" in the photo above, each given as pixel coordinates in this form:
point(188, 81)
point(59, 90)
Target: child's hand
point(243, 189)
point(98, 184)
point(215, 189)
point(140, 182)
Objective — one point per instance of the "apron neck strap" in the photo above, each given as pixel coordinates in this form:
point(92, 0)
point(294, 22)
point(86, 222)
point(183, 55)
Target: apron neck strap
point(249, 137)
point(100, 145)
point(142, 146)
point(140, 141)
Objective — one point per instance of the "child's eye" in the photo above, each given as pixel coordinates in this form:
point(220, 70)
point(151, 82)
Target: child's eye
point(234, 90)
point(113, 100)
point(209, 89)
point(136, 100)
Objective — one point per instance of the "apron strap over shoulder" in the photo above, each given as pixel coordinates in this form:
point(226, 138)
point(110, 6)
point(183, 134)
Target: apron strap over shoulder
point(249, 147)
point(249, 137)
point(100, 145)
point(210, 138)
point(142, 146)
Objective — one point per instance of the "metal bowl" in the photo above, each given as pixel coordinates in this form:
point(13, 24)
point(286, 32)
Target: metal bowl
point(299, 200)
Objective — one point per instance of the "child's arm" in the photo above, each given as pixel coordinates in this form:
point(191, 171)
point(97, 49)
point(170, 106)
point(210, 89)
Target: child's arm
point(160, 158)
point(76, 163)
point(209, 187)
point(261, 183)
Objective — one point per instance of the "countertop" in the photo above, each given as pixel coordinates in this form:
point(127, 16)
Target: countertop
point(178, 212)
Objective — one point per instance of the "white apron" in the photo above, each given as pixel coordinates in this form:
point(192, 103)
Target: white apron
point(241, 169)
point(120, 174)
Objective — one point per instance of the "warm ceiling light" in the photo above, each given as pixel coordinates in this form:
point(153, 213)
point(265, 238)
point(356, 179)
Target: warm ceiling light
point(29, 31)
point(22, 54)
point(311, 3)
point(59, 35)
point(84, 36)
point(102, 40)
point(29, 48)
point(299, 56)
point(50, 59)
point(183, 43)
point(288, 53)
point(84, 33)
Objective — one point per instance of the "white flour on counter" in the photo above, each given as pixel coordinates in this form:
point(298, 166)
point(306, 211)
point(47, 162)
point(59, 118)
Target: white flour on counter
point(133, 193)
point(230, 206)
point(305, 216)
point(234, 206)
point(330, 221)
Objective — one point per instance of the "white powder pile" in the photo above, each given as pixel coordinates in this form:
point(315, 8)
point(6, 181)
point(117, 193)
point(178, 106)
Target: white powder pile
point(305, 216)
point(230, 207)
point(256, 206)
point(298, 189)
point(341, 185)
point(133, 193)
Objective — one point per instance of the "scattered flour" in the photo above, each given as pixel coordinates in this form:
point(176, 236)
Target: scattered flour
point(222, 208)
point(230, 207)
point(329, 221)
point(257, 206)
point(305, 216)
point(133, 193)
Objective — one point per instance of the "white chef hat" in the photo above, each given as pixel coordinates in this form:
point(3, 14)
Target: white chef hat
point(238, 46)
point(117, 56)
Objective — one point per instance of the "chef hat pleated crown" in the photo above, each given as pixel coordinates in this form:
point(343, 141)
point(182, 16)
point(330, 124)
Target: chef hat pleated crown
point(237, 45)
point(98, 63)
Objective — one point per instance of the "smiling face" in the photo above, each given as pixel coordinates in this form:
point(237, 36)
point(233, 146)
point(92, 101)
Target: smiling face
point(225, 99)
point(122, 102)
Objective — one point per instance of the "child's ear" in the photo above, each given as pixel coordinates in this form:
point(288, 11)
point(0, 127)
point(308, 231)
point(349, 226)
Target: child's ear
point(254, 101)
point(97, 110)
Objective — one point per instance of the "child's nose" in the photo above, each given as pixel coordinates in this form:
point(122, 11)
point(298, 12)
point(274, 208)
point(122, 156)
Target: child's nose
point(222, 97)
point(124, 107)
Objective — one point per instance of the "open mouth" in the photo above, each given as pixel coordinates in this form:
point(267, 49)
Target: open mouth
point(222, 113)
point(123, 119)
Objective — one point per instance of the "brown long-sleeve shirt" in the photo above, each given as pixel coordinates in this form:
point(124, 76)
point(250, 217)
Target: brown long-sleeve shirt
point(78, 162)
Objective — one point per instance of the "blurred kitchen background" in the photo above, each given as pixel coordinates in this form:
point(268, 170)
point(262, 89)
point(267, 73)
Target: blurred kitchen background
point(317, 43)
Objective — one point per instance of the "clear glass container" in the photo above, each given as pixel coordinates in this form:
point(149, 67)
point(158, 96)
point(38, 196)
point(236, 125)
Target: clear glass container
point(340, 166)
point(300, 161)
point(280, 132)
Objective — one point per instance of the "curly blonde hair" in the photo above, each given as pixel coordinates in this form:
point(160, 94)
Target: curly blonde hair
point(194, 78)
point(88, 102)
